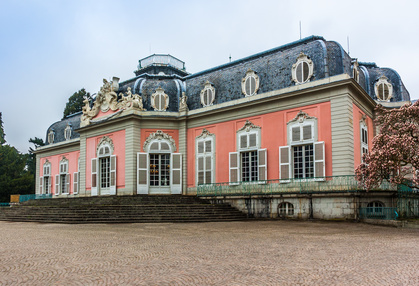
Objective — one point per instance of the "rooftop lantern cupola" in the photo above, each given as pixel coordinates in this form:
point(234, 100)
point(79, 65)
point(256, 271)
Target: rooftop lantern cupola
point(159, 64)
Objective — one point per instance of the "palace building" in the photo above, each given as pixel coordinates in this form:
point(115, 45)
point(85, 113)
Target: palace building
point(278, 133)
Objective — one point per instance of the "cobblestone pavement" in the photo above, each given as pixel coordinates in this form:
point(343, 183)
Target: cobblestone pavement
point(227, 253)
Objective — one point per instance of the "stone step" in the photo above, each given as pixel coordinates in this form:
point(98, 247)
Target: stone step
point(122, 209)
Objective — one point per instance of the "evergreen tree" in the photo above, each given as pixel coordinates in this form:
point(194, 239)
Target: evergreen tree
point(2, 135)
point(75, 102)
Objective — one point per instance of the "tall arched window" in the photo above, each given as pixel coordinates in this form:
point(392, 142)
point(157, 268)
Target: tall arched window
point(45, 180)
point(205, 157)
point(104, 169)
point(249, 163)
point(159, 169)
point(62, 180)
point(303, 157)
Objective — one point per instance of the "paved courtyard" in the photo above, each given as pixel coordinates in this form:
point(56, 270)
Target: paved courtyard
point(229, 253)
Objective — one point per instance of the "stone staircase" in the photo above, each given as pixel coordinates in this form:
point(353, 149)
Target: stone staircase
point(121, 209)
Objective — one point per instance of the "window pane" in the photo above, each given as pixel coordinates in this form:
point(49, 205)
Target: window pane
point(305, 71)
point(307, 135)
point(298, 161)
point(299, 72)
point(200, 147)
point(208, 146)
point(296, 133)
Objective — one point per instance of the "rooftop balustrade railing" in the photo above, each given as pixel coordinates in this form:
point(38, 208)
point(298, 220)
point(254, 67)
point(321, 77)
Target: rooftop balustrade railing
point(293, 185)
point(161, 60)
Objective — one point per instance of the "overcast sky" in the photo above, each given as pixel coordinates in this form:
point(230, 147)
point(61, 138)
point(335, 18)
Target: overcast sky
point(50, 49)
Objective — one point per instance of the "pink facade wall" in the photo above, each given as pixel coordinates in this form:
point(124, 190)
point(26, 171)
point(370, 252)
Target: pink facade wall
point(274, 134)
point(357, 117)
point(145, 133)
point(72, 157)
point(118, 139)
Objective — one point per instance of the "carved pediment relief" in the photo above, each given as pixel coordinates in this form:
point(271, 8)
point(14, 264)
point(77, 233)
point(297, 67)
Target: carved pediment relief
point(301, 117)
point(160, 135)
point(107, 99)
point(204, 134)
point(248, 126)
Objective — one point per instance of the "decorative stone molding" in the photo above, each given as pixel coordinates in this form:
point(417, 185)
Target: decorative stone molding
point(130, 100)
point(159, 100)
point(106, 99)
point(383, 89)
point(303, 64)
point(105, 140)
point(363, 120)
point(250, 83)
point(51, 135)
point(301, 117)
point(159, 135)
point(208, 94)
point(248, 126)
point(204, 134)
point(183, 106)
point(67, 131)
point(355, 70)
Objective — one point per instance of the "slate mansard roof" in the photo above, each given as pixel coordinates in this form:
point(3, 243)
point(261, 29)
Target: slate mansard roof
point(274, 68)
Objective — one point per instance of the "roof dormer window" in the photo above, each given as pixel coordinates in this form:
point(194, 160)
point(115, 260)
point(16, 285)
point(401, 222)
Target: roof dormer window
point(250, 83)
point(207, 94)
point(383, 89)
point(302, 70)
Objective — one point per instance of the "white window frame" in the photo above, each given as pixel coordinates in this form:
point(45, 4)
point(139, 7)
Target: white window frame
point(96, 168)
point(174, 171)
point(245, 135)
point(205, 156)
point(163, 100)
point(64, 178)
point(364, 139)
point(287, 206)
point(204, 95)
point(250, 74)
point(383, 81)
point(51, 135)
point(301, 59)
point(46, 171)
point(297, 126)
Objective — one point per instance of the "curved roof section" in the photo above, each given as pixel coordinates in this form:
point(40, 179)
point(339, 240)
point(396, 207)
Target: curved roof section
point(58, 127)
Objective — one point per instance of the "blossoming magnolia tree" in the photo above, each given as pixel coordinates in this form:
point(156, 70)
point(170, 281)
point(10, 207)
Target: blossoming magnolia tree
point(394, 155)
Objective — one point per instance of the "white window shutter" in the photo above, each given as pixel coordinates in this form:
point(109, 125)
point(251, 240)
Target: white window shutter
point(75, 183)
point(41, 185)
point(142, 173)
point(49, 185)
point(234, 175)
point(67, 183)
point(176, 174)
point(57, 185)
point(113, 175)
point(262, 166)
point(200, 170)
point(94, 177)
point(284, 163)
point(319, 165)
